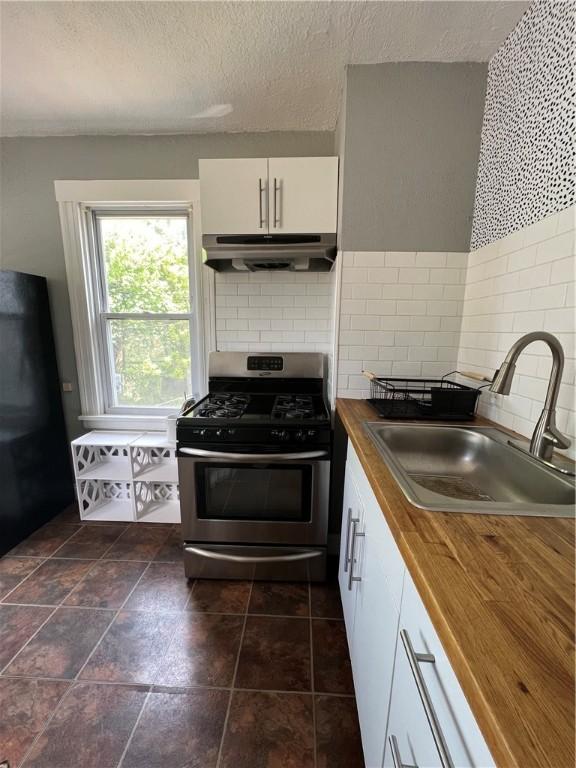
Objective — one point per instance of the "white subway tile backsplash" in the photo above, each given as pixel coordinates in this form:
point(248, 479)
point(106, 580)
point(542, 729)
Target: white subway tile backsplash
point(400, 259)
point(444, 308)
point(383, 275)
point(411, 307)
point(428, 291)
point(381, 307)
point(563, 271)
point(365, 291)
point(278, 312)
point(425, 323)
point(556, 248)
point(352, 306)
point(547, 296)
point(396, 323)
point(397, 291)
point(365, 322)
point(380, 338)
point(537, 275)
point(415, 275)
point(413, 295)
point(423, 354)
point(535, 293)
point(431, 259)
point(369, 260)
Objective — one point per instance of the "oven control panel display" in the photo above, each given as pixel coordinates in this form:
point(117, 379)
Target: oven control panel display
point(261, 363)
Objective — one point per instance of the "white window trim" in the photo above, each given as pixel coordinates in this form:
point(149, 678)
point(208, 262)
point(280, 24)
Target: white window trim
point(73, 197)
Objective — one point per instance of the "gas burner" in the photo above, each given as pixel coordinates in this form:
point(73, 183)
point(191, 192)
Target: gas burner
point(224, 406)
point(293, 407)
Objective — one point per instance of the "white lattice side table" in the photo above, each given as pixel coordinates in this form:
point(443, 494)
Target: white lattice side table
point(126, 476)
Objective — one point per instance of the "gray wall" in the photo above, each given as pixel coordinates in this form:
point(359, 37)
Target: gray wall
point(411, 146)
point(30, 238)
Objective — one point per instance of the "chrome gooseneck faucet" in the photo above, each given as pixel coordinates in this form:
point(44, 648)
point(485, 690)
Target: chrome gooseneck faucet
point(546, 435)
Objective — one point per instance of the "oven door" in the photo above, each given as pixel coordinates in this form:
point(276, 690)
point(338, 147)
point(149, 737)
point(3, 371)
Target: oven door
point(248, 498)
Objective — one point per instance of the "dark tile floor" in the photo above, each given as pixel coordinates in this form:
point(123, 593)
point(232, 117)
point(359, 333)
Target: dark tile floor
point(109, 657)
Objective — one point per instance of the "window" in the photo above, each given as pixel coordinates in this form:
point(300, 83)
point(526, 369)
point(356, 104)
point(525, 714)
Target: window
point(144, 319)
point(142, 303)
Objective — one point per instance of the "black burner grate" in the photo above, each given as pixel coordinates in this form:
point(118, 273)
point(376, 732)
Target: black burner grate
point(288, 407)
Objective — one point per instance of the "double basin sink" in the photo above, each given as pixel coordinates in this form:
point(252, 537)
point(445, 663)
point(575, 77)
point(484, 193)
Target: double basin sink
point(470, 469)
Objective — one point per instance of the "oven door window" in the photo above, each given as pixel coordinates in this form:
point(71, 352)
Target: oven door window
point(254, 492)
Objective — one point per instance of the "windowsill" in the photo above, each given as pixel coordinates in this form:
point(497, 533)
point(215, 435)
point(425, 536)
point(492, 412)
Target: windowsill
point(124, 421)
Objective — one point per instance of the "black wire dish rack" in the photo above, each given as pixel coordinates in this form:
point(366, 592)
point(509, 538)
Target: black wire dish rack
point(422, 399)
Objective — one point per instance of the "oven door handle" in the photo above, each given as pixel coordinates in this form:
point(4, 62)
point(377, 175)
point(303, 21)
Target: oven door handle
point(268, 457)
point(211, 555)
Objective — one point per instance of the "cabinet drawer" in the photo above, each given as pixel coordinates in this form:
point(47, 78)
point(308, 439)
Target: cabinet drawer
point(381, 539)
point(409, 739)
point(465, 743)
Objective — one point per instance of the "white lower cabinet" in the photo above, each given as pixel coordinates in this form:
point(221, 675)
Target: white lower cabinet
point(411, 709)
point(435, 694)
point(371, 603)
point(410, 741)
point(352, 519)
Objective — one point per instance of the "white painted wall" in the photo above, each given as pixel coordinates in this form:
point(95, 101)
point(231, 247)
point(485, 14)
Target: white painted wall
point(523, 282)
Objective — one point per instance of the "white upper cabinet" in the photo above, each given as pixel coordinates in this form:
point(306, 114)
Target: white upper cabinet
point(233, 196)
point(303, 194)
point(251, 196)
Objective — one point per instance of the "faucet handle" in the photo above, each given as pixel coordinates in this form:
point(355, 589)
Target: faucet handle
point(556, 437)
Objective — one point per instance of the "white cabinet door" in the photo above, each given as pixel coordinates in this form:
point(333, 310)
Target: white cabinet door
point(409, 734)
point(303, 194)
point(373, 648)
point(464, 740)
point(352, 518)
point(234, 196)
point(378, 571)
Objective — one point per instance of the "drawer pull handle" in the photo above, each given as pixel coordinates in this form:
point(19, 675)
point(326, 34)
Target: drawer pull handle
point(355, 535)
point(347, 551)
point(261, 190)
point(395, 752)
point(414, 660)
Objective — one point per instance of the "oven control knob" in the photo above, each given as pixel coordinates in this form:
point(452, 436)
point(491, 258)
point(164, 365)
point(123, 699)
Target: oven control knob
point(311, 433)
point(220, 432)
point(300, 435)
point(279, 434)
point(231, 432)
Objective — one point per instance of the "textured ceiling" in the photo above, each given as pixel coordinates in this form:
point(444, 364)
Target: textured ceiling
point(168, 67)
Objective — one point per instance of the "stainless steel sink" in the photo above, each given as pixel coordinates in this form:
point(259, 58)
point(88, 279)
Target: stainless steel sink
point(470, 469)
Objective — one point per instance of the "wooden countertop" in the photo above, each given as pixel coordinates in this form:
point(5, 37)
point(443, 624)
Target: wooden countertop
point(500, 593)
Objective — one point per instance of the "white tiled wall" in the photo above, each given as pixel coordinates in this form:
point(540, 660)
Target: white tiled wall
point(400, 315)
point(523, 282)
point(274, 312)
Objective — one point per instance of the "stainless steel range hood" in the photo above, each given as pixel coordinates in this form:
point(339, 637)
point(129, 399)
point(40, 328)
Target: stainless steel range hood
point(256, 253)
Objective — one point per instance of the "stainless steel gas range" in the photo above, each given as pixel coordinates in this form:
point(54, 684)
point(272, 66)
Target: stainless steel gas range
point(254, 469)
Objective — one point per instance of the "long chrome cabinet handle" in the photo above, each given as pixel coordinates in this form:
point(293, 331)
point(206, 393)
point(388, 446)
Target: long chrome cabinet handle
point(276, 218)
point(267, 457)
point(355, 535)
point(347, 550)
point(211, 555)
point(415, 659)
point(395, 752)
point(261, 190)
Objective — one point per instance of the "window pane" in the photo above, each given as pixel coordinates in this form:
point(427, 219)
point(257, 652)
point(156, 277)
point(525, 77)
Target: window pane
point(151, 362)
point(146, 263)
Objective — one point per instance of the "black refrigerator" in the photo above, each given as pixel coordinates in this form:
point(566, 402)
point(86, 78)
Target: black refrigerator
point(35, 473)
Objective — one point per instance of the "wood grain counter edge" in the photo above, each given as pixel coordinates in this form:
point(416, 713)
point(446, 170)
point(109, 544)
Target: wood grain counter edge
point(506, 620)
